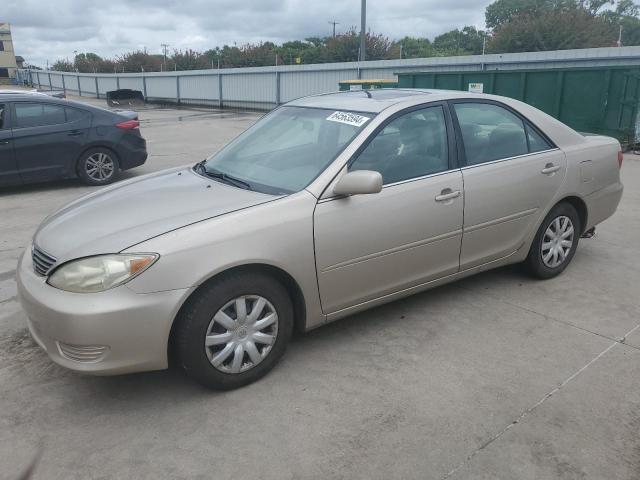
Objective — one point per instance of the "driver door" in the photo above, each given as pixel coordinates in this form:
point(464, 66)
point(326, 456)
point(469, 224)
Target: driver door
point(369, 246)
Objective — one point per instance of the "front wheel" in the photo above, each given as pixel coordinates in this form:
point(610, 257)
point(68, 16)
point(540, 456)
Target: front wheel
point(234, 330)
point(555, 242)
point(98, 166)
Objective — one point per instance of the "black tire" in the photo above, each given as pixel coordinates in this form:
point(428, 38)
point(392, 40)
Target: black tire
point(535, 263)
point(195, 317)
point(85, 168)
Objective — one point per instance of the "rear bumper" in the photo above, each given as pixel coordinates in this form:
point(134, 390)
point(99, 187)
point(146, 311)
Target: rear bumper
point(132, 151)
point(112, 332)
point(603, 203)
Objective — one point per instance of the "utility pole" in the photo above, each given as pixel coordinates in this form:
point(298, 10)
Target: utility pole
point(619, 42)
point(400, 51)
point(164, 49)
point(334, 23)
point(363, 30)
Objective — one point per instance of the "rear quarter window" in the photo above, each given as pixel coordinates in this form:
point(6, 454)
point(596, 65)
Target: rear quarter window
point(76, 114)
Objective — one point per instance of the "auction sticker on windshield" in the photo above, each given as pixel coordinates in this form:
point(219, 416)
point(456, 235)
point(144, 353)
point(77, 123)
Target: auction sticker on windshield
point(348, 118)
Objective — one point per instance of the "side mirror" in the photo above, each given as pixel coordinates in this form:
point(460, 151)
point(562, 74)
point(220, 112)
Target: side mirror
point(359, 182)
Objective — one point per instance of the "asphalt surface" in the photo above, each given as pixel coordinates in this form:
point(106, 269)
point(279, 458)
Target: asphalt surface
point(497, 376)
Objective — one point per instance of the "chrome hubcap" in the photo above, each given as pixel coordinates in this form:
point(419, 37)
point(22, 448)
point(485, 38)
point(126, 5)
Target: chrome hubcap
point(557, 241)
point(99, 166)
point(241, 334)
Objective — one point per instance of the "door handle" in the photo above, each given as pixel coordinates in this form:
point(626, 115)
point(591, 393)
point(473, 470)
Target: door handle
point(75, 133)
point(4, 142)
point(550, 168)
point(447, 194)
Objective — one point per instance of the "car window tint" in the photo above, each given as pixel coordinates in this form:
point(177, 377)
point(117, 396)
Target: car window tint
point(536, 142)
point(2, 115)
point(37, 114)
point(75, 114)
point(410, 146)
point(490, 132)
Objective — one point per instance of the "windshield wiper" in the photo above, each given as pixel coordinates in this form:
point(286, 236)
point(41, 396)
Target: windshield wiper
point(201, 168)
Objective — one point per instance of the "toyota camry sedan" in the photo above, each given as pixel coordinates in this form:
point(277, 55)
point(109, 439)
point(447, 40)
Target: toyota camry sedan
point(327, 206)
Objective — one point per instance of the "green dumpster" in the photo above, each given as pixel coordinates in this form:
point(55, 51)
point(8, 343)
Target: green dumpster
point(367, 84)
point(602, 100)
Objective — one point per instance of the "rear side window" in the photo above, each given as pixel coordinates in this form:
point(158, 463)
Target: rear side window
point(536, 142)
point(38, 114)
point(490, 132)
point(75, 114)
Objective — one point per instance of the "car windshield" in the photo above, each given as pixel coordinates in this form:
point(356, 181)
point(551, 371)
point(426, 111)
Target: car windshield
point(285, 150)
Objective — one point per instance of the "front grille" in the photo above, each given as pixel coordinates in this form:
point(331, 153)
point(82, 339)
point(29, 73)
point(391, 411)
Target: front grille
point(82, 353)
point(42, 262)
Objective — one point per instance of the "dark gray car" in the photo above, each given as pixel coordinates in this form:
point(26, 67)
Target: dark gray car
point(44, 138)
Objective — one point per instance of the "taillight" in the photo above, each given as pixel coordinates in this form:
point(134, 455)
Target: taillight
point(620, 158)
point(128, 125)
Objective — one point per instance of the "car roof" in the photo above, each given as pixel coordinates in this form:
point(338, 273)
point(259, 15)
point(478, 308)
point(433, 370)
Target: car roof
point(376, 100)
point(41, 97)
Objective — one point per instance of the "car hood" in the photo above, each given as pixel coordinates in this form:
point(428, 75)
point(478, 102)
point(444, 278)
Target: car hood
point(125, 214)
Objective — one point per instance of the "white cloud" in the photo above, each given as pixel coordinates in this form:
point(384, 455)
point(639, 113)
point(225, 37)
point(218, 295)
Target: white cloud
point(45, 30)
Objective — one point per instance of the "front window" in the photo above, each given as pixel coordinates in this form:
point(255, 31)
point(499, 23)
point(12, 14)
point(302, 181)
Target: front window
point(286, 150)
point(410, 146)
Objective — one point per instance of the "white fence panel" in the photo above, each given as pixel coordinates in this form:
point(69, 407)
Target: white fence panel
point(299, 84)
point(107, 84)
point(88, 85)
point(71, 83)
point(56, 81)
point(161, 87)
point(199, 87)
point(133, 83)
point(246, 89)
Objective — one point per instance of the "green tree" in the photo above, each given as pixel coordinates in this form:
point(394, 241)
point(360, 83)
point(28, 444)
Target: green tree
point(501, 12)
point(63, 66)
point(138, 61)
point(576, 28)
point(625, 15)
point(467, 41)
point(411, 48)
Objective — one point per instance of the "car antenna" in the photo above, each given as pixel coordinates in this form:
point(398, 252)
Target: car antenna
point(368, 93)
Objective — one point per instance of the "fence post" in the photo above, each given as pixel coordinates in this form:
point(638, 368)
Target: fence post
point(219, 90)
point(49, 74)
point(277, 88)
point(144, 86)
point(117, 82)
point(78, 79)
point(97, 89)
point(178, 88)
point(64, 85)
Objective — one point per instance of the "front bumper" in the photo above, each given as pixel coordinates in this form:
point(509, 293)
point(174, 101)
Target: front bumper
point(133, 327)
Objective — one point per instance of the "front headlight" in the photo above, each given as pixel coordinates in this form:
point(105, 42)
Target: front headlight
point(99, 273)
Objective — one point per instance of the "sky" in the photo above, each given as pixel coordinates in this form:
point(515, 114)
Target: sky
point(49, 30)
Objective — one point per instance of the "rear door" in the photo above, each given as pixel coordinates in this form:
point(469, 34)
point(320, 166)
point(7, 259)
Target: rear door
point(48, 139)
point(511, 174)
point(8, 169)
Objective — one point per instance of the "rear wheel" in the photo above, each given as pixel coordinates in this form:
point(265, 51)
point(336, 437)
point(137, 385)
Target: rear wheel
point(98, 166)
point(555, 242)
point(234, 330)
